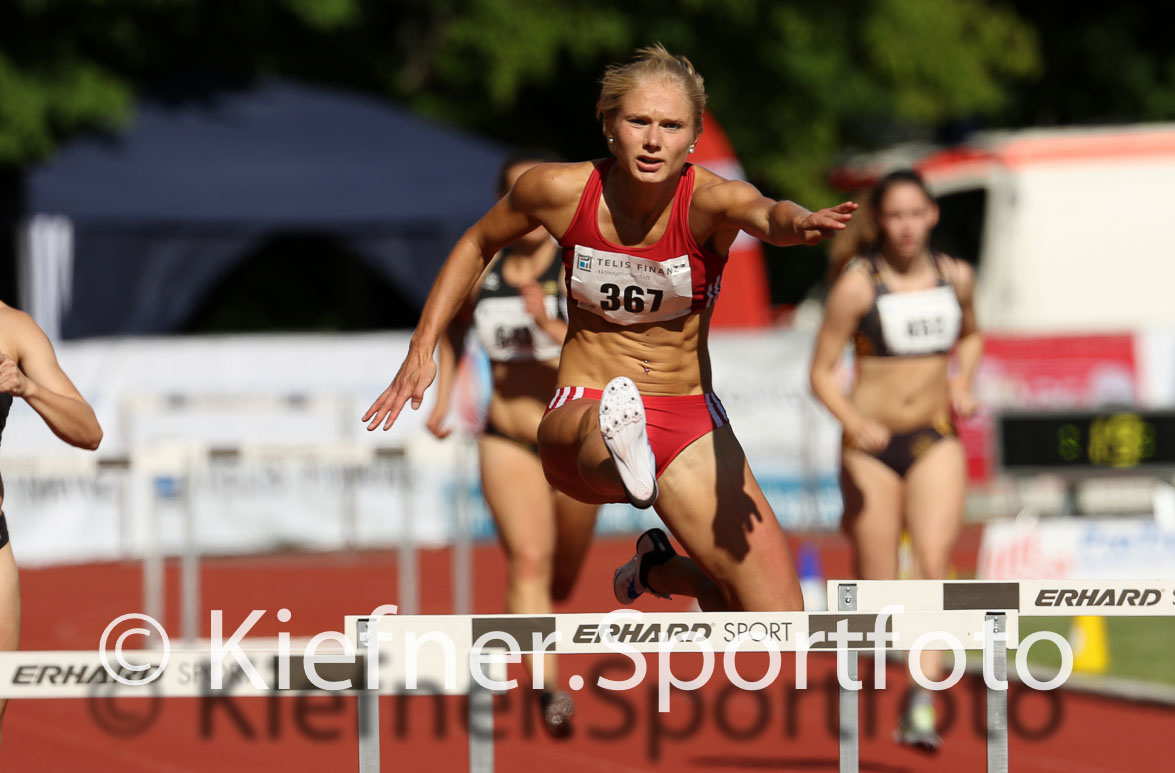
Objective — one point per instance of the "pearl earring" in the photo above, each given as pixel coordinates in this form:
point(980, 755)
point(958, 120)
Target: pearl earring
point(691, 148)
point(611, 139)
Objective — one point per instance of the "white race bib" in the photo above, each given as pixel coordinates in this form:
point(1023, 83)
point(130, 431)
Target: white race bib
point(508, 333)
point(629, 290)
point(922, 322)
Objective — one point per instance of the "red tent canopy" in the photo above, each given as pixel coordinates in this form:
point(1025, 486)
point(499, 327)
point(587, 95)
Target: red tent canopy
point(745, 300)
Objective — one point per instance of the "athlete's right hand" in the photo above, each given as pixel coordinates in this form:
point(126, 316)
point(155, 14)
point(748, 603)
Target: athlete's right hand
point(532, 301)
point(436, 422)
point(416, 374)
point(868, 435)
point(12, 379)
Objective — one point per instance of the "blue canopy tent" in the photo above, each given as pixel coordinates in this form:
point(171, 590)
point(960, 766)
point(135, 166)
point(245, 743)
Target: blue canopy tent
point(126, 235)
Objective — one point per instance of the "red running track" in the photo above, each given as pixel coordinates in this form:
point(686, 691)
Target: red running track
point(715, 729)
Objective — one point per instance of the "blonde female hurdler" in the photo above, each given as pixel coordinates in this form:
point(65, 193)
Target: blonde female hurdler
point(644, 237)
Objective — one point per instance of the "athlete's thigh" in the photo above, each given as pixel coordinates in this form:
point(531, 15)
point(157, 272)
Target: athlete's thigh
point(873, 501)
point(9, 607)
point(935, 489)
point(518, 496)
point(574, 523)
point(569, 435)
point(715, 507)
point(9, 600)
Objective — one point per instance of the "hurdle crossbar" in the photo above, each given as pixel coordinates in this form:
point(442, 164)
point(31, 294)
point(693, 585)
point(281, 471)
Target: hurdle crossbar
point(1031, 598)
point(648, 631)
point(185, 674)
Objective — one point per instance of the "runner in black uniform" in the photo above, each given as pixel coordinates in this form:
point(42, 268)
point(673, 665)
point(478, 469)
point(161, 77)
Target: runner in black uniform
point(516, 313)
point(905, 308)
point(29, 369)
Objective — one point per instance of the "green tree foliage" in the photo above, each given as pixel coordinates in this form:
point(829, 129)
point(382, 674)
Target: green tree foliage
point(793, 82)
point(68, 65)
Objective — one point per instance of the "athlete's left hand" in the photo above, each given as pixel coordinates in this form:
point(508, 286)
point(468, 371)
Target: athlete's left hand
point(825, 223)
point(12, 379)
point(532, 301)
point(962, 400)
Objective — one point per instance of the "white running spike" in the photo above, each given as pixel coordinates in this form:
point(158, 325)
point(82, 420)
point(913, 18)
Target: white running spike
point(622, 423)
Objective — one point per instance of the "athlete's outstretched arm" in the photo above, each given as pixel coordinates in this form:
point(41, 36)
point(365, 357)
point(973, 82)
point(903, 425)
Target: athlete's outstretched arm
point(738, 204)
point(515, 215)
point(32, 372)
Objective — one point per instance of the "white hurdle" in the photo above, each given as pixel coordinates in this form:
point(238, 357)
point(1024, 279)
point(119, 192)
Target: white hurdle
point(843, 632)
point(1000, 602)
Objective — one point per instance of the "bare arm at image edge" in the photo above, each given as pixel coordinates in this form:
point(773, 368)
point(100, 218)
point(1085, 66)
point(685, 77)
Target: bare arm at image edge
point(32, 372)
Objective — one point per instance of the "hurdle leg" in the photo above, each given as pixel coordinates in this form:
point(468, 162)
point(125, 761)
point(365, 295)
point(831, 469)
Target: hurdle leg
point(368, 713)
point(154, 573)
point(481, 727)
point(190, 563)
point(997, 701)
point(409, 572)
point(850, 741)
point(462, 534)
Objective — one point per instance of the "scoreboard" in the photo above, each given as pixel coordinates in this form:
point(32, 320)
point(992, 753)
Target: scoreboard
point(1086, 441)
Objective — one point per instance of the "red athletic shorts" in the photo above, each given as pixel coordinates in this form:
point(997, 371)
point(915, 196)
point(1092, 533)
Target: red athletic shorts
point(673, 421)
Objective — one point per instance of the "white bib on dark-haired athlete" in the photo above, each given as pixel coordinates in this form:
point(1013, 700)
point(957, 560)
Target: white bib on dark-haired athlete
point(509, 334)
point(920, 322)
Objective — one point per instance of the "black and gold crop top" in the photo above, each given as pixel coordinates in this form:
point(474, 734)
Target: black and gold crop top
point(504, 328)
point(917, 323)
point(5, 406)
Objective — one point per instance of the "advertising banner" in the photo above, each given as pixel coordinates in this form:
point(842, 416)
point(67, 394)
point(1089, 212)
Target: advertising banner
point(1076, 548)
point(1046, 373)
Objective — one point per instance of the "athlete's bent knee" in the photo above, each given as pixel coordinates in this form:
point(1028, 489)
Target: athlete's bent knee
point(530, 565)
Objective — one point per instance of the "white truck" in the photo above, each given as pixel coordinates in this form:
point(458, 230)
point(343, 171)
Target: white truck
point(1071, 230)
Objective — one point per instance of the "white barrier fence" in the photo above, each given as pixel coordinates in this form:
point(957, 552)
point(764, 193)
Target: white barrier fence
point(226, 391)
point(236, 390)
point(261, 472)
point(166, 488)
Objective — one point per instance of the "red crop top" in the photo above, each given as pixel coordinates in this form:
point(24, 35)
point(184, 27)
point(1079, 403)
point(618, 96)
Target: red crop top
point(637, 285)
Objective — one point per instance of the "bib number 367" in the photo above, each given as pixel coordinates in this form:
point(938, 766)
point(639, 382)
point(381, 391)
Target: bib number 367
point(632, 297)
point(631, 289)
